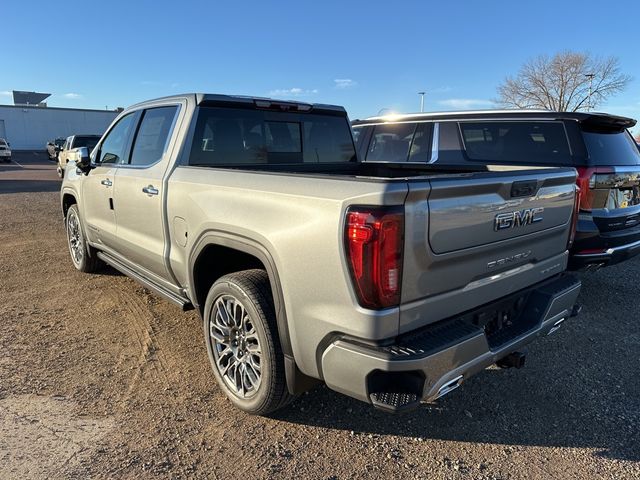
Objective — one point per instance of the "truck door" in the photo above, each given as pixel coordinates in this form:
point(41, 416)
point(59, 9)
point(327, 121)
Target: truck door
point(63, 155)
point(140, 194)
point(98, 187)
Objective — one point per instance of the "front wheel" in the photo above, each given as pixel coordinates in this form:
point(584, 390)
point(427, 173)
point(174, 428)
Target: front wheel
point(83, 259)
point(242, 341)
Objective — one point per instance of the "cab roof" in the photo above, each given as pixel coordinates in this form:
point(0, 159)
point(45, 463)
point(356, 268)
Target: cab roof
point(216, 99)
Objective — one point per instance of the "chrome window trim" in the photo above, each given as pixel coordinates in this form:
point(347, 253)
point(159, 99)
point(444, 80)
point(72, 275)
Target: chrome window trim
point(435, 144)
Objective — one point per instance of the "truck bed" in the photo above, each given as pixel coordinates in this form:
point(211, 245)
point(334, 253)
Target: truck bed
point(354, 170)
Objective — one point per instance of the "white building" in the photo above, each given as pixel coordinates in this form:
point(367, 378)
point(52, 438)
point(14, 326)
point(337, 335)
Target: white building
point(31, 127)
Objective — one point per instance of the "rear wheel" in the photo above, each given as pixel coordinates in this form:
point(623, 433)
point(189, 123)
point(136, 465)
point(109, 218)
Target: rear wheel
point(242, 341)
point(84, 258)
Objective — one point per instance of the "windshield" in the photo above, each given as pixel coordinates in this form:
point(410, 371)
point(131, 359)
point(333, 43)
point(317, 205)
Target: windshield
point(88, 142)
point(3, 142)
point(230, 136)
point(611, 149)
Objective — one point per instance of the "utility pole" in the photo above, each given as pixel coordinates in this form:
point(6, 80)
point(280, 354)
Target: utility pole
point(421, 101)
point(590, 77)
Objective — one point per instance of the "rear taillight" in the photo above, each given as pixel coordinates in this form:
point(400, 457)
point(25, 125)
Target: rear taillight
point(574, 216)
point(587, 179)
point(374, 245)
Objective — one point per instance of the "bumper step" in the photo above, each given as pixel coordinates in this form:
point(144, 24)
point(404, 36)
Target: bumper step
point(428, 363)
point(395, 402)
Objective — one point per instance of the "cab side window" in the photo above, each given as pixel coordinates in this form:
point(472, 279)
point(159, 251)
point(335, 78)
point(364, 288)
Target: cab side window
point(153, 133)
point(113, 148)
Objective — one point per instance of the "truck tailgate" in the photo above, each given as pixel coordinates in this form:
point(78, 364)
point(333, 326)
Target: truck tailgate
point(473, 238)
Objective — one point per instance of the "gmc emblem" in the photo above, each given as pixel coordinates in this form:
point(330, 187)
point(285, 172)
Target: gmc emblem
point(521, 218)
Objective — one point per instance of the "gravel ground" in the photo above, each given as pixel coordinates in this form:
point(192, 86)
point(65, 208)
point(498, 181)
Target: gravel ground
point(101, 379)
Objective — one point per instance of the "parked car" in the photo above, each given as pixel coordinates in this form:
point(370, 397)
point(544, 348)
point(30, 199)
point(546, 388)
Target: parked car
point(597, 144)
point(5, 150)
point(71, 143)
point(389, 282)
point(54, 147)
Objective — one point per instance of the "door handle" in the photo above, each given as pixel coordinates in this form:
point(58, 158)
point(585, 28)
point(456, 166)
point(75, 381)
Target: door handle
point(150, 190)
point(106, 182)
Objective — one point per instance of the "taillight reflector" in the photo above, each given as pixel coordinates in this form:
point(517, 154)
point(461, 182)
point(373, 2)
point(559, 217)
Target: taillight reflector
point(587, 183)
point(374, 245)
point(574, 217)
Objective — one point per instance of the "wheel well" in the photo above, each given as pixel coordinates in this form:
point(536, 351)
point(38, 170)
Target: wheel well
point(67, 201)
point(214, 262)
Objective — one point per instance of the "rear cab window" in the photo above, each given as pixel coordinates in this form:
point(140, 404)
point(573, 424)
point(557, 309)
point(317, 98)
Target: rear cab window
point(88, 141)
point(520, 142)
point(237, 136)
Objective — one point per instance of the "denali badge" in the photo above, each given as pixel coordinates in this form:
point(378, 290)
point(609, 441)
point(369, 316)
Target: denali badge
point(520, 218)
point(504, 261)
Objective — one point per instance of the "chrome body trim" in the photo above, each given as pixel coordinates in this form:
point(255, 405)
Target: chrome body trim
point(609, 251)
point(435, 145)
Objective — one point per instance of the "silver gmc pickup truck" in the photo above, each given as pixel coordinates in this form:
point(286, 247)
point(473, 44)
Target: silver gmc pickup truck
point(391, 283)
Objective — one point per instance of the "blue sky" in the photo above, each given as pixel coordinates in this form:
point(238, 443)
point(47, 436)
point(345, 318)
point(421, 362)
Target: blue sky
point(364, 55)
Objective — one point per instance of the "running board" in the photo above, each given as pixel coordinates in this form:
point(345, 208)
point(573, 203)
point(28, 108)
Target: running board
point(182, 302)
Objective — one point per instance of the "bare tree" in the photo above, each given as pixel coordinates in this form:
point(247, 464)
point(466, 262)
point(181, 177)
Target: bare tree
point(568, 81)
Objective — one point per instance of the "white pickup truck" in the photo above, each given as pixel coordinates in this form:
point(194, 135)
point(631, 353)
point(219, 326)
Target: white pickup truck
point(5, 150)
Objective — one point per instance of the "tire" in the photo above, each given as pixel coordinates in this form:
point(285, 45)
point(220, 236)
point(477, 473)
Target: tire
point(60, 171)
point(83, 257)
point(239, 309)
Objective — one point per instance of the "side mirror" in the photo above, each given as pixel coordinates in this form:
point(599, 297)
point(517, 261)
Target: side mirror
point(83, 161)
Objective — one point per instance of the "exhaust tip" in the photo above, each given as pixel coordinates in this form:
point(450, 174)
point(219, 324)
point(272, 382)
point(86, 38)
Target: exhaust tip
point(449, 387)
point(556, 326)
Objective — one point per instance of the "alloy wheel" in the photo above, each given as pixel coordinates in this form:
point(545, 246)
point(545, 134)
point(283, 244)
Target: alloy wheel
point(74, 235)
point(235, 345)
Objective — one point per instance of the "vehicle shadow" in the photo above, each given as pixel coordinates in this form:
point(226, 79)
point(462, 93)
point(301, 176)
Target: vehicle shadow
point(8, 167)
point(579, 388)
point(29, 186)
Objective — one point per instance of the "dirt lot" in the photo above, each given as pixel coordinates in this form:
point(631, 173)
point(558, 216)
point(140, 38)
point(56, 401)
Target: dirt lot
point(101, 379)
